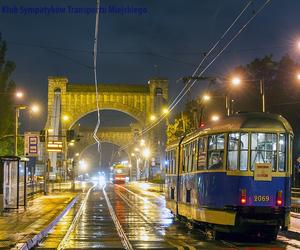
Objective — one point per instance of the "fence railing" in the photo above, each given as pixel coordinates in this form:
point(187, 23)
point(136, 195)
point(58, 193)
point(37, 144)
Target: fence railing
point(39, 187)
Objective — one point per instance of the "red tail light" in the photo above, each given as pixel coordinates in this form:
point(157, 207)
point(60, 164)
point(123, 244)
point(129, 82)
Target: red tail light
point(279, 200)
point(243, 199)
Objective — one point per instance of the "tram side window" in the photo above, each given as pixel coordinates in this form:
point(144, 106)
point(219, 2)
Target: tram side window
point(244, 151)
point(216, 151)
point(190, 162)
point(282, 153)
point(233, 151)
point(168, 162)
point(202, 153)
point(186, 158)
point(194, 167)
point(263, 149)
point(174, 155)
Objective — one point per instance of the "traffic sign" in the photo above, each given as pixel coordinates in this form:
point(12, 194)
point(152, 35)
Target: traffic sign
point(31, 144)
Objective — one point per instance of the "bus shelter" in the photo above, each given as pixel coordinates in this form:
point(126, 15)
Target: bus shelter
point(13, 182)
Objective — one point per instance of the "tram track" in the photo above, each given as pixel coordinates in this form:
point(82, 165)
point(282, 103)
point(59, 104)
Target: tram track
point(226, 243)
point(118, 217)
point(178, 244)
point(74, 223)
point(125, 240)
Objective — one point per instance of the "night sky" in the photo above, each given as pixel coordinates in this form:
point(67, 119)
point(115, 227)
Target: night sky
point(168, 40)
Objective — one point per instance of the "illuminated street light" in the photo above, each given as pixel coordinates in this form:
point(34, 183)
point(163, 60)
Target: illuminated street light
point(19, 94)
point(82, 165)
point(152, 117)
point(236, 81)
point(215, 118)
point(206, 97)
point(66, 118)
point(165, 111)
point(146, 152)
point(34, 108)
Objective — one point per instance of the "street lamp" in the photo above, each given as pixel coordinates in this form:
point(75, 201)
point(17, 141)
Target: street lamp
point(82, 165)
point(206, 97)
point(236, 81)
point(165, 111)
point(65, 118)
point(34, 108)
point(215, 118)
point(152, 117)
point(17, 114)
point(19, 94)
point(146, 153)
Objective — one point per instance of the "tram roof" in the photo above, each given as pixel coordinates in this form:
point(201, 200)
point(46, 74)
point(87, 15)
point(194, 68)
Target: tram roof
point(251, 121)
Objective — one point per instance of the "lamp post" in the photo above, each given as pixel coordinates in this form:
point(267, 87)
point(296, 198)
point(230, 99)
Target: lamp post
point(17, 114)
point(33, 108)
point(137, 157)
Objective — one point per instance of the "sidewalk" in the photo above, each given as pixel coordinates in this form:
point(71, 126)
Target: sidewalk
point(19, 227)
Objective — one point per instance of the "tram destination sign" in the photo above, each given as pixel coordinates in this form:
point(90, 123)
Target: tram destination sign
point(263, 172)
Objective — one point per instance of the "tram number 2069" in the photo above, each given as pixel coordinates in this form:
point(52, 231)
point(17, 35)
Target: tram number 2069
point(265, 198)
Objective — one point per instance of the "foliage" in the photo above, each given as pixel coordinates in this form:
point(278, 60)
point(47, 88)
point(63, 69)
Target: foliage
point(282, 94)
point(180, 127)
point(7, 88)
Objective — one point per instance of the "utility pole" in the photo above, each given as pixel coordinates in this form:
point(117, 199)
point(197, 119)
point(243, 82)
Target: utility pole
point(262, 93)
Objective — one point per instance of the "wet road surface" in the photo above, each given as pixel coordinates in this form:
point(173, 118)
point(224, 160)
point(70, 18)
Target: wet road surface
point(123, 217)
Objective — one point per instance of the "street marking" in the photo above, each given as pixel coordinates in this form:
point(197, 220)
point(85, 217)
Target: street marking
point(119, 228)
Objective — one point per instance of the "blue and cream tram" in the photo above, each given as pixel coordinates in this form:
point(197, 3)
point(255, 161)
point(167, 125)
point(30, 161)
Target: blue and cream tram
point(233, 176)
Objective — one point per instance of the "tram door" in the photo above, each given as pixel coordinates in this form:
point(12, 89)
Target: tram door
point(10, 184)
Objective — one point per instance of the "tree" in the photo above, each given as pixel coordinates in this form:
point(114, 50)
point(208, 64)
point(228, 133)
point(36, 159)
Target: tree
point(7, 88)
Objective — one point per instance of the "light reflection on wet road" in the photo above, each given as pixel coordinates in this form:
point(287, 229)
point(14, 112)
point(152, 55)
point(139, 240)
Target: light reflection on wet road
point(144, 220)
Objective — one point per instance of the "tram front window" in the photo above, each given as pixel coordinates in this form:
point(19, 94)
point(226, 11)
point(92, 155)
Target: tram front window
point(264, 149)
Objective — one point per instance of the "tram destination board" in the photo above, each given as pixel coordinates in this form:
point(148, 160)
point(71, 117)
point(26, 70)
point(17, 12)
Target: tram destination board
point(263, 172)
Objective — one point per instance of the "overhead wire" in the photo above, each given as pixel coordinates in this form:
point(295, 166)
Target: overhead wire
point(96, 81)
point(186, 89)
point(213, 48)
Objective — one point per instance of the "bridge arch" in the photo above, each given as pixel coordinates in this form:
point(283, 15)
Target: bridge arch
point(77, 100)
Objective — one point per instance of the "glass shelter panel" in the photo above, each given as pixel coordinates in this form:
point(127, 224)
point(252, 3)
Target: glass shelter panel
point(10, 186)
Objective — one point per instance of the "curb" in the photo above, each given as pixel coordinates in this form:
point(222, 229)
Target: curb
point(291, 235)
point(38, 237)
